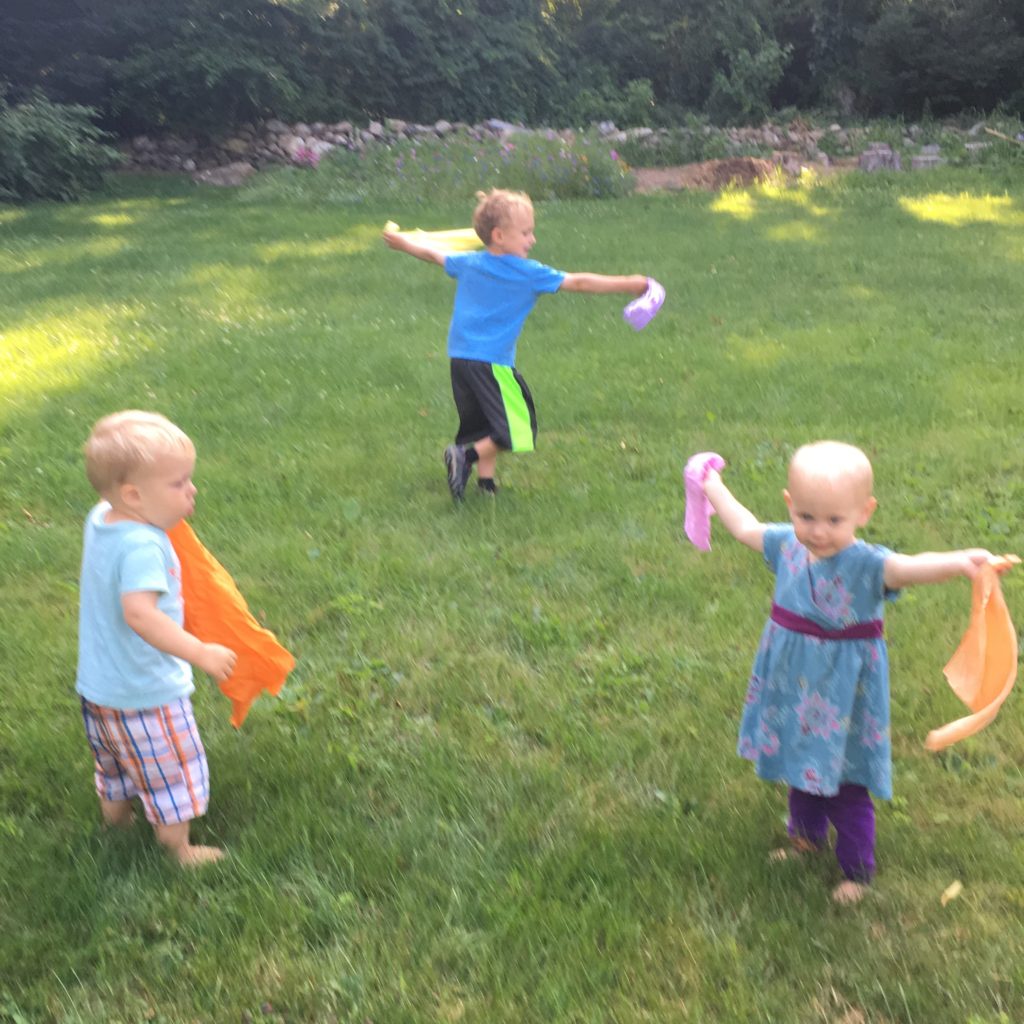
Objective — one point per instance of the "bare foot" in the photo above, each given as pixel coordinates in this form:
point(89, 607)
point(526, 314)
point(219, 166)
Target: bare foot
point(849, 892)
point(797, 848)
point(193, 856)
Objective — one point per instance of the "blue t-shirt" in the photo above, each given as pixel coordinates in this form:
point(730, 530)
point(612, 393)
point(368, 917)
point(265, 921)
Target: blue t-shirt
point(493, 297)
point(116, 667)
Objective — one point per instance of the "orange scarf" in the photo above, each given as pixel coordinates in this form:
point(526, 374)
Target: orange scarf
point(216, 613)
point(983, 669)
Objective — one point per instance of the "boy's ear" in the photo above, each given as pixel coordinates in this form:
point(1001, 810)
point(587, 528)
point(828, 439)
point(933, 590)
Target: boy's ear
point(868, 511)
point(129, 495)
point(787, 498)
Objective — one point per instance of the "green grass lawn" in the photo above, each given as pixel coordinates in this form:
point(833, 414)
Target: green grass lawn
point(501, 784)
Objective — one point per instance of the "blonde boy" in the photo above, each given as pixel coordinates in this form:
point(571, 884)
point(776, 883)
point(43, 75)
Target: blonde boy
point(134, 657)
point(496, 290)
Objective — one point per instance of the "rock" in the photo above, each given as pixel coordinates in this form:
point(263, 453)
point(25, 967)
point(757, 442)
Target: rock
point(237, 146)
point(925, 161)
point(291, 144)
point(879, 157)
point(229, 176)
point(443, 127)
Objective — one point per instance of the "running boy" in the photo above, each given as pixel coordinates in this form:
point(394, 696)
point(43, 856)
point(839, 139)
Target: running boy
point(495, 291)
point(134, 658)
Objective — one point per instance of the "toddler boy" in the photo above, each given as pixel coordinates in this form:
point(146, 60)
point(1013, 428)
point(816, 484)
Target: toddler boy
point(134, 657)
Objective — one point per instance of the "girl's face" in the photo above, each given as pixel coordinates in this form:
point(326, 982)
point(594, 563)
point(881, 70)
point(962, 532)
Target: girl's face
point(514, 236)
point(826, 516)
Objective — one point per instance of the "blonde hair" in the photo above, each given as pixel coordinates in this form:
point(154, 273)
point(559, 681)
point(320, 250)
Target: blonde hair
point(831, 462)
point(494, 210)
point(124, 443)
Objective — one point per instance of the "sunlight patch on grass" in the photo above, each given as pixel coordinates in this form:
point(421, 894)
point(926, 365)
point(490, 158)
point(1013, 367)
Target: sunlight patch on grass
point(943, 208)
point(758, 352)
point(230, 284)
point(10, 216)
point(800, 197)
point(112, 220)
point(859, 291)
point(737, 204)
point(350, 244)
point(54, 352)
point(795, 231)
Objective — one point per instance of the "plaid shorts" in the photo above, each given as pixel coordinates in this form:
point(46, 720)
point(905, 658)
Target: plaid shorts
point(152, 753)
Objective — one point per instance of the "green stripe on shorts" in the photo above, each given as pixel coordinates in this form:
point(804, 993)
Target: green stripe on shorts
point(516, 411)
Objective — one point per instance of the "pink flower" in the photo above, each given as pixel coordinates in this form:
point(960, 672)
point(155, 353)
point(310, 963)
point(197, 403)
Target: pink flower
point(306, 156)
point(614, 155)
point(817, 716)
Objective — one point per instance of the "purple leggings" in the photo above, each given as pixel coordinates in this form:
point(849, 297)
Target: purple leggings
point(853, 815)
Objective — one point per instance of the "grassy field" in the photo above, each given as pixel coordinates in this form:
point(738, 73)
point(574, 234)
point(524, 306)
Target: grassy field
point(501, 784)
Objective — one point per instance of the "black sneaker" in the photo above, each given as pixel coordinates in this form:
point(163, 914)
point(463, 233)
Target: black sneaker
point(458, 470)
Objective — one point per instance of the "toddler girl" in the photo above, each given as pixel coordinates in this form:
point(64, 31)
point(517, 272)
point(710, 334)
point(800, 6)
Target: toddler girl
point(817, 706)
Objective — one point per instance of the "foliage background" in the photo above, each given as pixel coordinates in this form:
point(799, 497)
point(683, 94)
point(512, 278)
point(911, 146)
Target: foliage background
point(205, 65)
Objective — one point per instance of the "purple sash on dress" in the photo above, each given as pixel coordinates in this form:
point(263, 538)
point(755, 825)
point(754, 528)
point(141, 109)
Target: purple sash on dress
point(870, 630)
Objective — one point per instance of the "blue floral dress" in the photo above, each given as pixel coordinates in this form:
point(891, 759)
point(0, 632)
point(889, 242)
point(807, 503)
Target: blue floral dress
point(817, 710)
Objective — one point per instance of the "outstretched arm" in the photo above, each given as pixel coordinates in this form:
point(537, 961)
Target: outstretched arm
point(603, 284)
point(932, 566)
point(736, 518)
point(159, 630)
point(422, 252)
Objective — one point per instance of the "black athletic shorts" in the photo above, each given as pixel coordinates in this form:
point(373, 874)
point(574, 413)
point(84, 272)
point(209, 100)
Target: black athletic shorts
point(493, 401)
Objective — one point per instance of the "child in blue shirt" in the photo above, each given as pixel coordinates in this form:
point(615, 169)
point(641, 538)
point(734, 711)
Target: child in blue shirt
point(495, 291)
point(134, 656)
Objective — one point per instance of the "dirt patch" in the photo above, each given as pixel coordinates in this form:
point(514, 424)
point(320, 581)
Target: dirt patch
point(711, 175)
point(714, 175)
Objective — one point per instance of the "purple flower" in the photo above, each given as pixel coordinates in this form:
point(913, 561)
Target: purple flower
point(614, 155)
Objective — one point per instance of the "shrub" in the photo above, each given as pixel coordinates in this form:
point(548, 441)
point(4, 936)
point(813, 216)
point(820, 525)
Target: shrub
point(50, 150)
point(435, 170)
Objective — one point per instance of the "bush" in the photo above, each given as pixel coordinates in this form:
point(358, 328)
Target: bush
point(692, 144)
point(50, 150)
point(546, 166)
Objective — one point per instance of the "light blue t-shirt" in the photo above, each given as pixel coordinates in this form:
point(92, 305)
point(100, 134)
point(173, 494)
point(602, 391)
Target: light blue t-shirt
point(493, 297)
point(116, 667)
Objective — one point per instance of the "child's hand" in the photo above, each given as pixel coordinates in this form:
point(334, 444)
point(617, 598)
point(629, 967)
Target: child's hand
point(712, 476)
point(973, 560)
point(216, 661)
